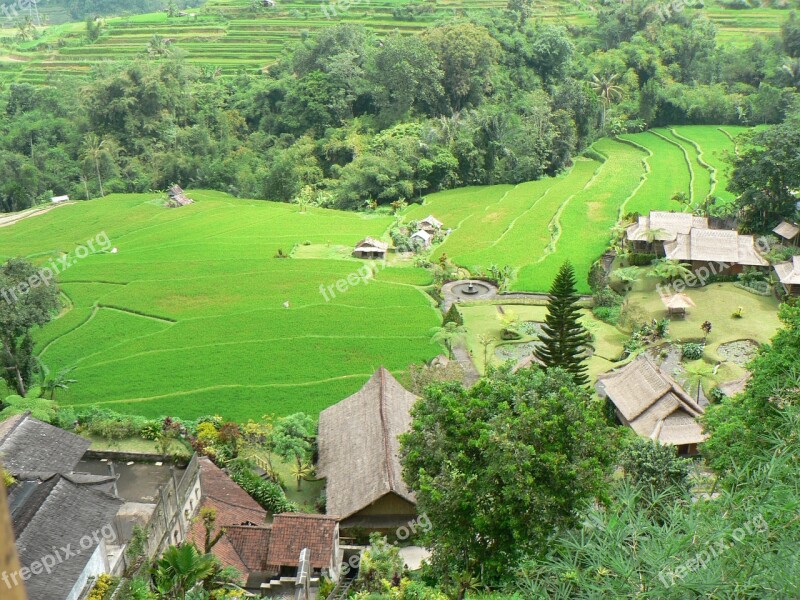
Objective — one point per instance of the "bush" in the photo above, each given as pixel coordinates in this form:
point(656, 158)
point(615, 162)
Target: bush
point(607, 314)
point(607, 298)
point(640, 259)
point(655, 465)
point(598, 277)
point(693, 351)
point(268, 494)
point(101, 587)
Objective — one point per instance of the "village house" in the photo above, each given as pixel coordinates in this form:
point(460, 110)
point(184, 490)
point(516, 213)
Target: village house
point(789, 275)
point(359, 455)
point(430, 224)
point(651, 403)
point(370, 248)
point(422, 238)
point(788, 232)
point(650, 232)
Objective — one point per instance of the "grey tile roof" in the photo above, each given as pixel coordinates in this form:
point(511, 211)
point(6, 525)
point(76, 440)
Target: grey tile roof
point(49, 514)
point(29, 445)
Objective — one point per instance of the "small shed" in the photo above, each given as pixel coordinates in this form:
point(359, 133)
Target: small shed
point(789, 232)
point(422, 238)
point(59, 199)
point(430, 224)
point(177, 197)
point(370, 248)
point(677, 304)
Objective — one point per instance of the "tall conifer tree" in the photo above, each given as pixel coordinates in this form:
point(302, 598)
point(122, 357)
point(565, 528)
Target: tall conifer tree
point(564, 339)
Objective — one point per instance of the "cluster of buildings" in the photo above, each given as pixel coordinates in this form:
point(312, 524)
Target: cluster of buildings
point(689, 239)
point(372, 249)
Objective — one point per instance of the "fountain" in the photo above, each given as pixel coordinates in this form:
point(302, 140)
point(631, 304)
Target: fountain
point(472, 290)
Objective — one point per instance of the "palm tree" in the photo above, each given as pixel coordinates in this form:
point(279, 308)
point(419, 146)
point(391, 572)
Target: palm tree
point(25, 29)
point(628, 275)
point(670, 270)
point(93, 148)
point(181, 569)
point(59, 381)
point(448, 334)
point(300, 471)
point(606, 87)
point(696, 375)
point(485, 341)
point(654, 235)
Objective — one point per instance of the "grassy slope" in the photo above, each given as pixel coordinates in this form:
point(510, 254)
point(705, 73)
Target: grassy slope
point(188, 318)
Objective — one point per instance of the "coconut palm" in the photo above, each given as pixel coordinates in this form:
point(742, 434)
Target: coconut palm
point(654, 235)
point(93, 148)
point(448, 334)
point(300, 471)
point(485, 341)
point(605, 86)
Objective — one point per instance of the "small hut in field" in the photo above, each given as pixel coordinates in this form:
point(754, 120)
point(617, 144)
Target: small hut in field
point(789, 275)
point(359, 455)
point(370, 248)
point(430, 224)
point(677, 304)
point(177, 197)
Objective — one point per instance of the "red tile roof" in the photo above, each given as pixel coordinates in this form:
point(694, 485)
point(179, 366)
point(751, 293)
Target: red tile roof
point(241, 516)
point(291, 532)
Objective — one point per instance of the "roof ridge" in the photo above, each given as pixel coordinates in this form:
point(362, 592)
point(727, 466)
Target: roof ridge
point(385, 428)
point(22, 418)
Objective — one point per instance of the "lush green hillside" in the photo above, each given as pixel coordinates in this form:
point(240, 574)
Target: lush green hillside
point(536, 226)
point(230, 35)
point(188, 317)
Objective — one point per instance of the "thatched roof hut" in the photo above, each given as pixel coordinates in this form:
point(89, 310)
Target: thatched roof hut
point(789, 275)
point(652, 404)
point(359, 455)
point(177, 197)
point(371, 248)
point(788, 231)
point(430, 224)
point(666, 225)
point(677, 303)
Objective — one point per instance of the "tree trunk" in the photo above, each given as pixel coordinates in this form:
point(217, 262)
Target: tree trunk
point(99, 179)
point(20, 383)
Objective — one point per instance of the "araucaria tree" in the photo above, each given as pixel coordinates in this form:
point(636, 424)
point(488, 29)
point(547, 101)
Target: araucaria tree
point(501, 467)
point(27, 302)
point(564, 339)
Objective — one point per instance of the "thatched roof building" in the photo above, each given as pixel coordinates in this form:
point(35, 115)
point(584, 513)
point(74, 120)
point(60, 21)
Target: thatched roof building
point(652, 404)
point(28, 445)
point(703, 246)
point(430, 224)
point(177, 197)
point(788, 231)
point(677, 303)
point(665, 225)
point(789, 275)
point(371, 248)
point(359, 455)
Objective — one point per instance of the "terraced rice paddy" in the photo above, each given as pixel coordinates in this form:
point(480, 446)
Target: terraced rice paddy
point(230, 35)
point(536, 226)
point(193, 303)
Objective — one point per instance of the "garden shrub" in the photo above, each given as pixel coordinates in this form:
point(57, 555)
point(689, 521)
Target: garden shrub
point(693, 351)
point(607, 297)
point(267, 493)
point(607, 314)
point(655, 465)
point(640, 259)
point(101, 587)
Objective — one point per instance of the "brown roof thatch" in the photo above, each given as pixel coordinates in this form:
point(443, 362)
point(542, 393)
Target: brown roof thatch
point(715, 245)
point(652, 403)
point(667, 225)
point(359, 446)
point(677, 301)
point(33, 446)
point(787, 231)
point(789, 272)
point(370, 244)
point(526, 362)
point(432, 221)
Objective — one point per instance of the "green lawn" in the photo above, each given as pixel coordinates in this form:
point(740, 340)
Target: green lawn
point(188, 318)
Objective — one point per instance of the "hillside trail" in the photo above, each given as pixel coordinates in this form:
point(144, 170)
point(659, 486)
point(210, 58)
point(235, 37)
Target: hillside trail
point(27, 214)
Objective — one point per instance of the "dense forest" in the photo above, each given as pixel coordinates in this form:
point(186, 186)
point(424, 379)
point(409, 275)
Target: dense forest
point(350, 120)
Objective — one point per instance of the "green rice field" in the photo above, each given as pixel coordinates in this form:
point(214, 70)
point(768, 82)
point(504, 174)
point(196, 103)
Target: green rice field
point(189, 316)
point(194, 313)
point(231, 35)
point(535, 226)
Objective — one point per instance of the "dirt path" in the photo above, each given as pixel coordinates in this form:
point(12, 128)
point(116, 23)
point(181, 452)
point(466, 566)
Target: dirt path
point(10, 219)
